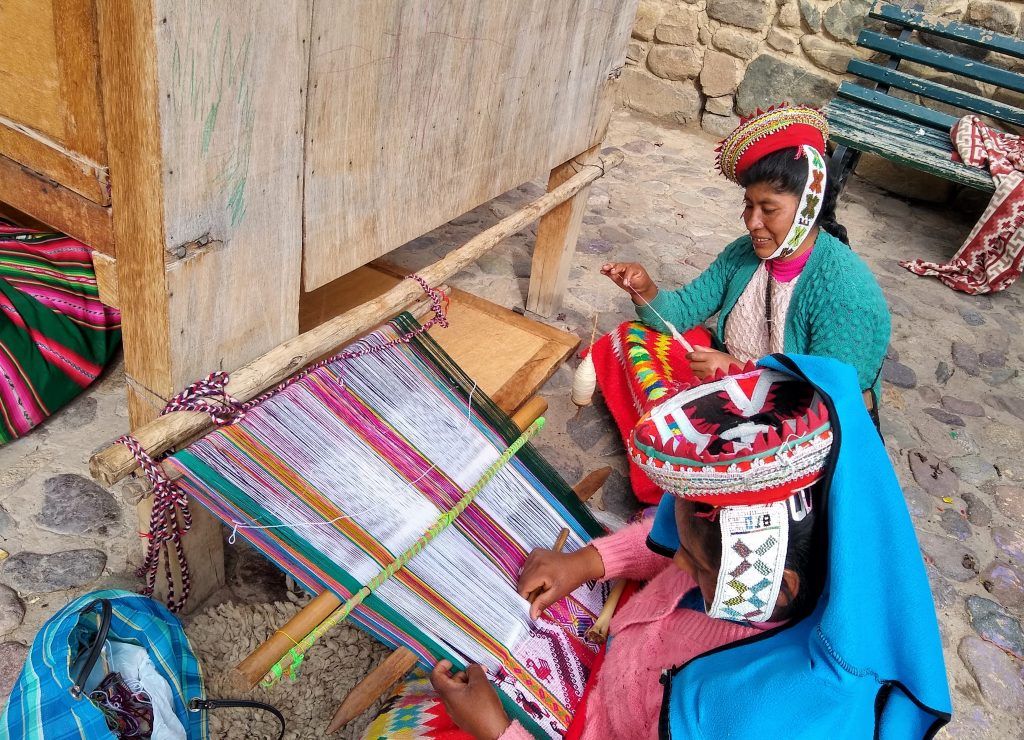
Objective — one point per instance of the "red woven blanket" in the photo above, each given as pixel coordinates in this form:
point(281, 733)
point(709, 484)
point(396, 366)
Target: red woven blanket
point(637, 366)
point(992, 257)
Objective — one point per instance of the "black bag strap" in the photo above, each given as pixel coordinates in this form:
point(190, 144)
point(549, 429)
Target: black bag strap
point(206, 705)
point(106, 612)
point(196, 705)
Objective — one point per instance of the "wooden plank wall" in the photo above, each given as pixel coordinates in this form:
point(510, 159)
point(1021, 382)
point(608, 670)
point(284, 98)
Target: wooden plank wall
point(206, 170)
point(50, 115)
point(232, 79)
point(420, 110)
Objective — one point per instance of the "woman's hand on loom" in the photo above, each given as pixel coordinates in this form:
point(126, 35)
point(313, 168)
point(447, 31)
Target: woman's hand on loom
point(632, 277)
point(705, 362)
point(470, 700)
point(557, 574)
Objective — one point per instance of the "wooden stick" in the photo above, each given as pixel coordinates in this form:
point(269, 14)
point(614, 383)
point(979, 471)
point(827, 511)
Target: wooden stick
point(563, 537)
point(372, 687)
point(115, 462)
point(251, 671)
point(248, 673)
point(592, 483)
point(530, 412)
point(599, 630)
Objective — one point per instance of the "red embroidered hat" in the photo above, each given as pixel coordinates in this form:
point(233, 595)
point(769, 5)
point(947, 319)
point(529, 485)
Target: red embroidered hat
point(778, 128)
point(755, 436)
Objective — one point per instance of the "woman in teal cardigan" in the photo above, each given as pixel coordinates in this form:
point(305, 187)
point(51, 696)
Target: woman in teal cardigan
point(792, 284)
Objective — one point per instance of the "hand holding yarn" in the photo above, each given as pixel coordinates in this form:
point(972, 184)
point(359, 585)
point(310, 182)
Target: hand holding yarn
point(557, 574)
point(470, 700)
point(705, 362)
point(633, 278)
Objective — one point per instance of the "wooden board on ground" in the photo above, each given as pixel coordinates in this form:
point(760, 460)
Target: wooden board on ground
point(509, 356)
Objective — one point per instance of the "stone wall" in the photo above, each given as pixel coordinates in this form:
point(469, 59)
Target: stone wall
point(706, 61)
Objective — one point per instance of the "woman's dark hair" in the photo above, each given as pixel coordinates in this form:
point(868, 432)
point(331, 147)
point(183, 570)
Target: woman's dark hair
point(785, 173)
point(805, 555)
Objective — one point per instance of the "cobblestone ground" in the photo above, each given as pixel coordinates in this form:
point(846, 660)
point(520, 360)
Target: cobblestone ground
point(952, 414)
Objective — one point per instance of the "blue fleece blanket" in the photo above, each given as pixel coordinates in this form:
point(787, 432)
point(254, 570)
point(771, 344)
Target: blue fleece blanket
point(867, 662)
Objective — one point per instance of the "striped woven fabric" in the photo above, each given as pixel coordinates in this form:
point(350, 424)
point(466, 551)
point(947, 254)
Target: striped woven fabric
point(41, 706)
point(337, 475)
point(636, 367)
point(55, 335)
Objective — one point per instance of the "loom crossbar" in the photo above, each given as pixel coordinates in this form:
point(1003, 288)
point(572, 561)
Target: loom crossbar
point(115, 462)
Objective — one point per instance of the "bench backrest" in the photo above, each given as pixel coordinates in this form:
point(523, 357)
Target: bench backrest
point(882, 77)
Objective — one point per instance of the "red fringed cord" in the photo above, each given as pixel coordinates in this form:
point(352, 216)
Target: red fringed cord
point(210, 396)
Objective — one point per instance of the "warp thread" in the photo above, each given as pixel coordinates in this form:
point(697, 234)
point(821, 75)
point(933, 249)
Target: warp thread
point(297, 653)
point(170, 503)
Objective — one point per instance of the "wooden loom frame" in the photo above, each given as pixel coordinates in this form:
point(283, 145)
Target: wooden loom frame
point(226, 157)
point(178, 429)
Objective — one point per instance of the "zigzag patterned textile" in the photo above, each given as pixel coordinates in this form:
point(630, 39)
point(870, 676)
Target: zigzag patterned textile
point(341, 472)
point(636, 367)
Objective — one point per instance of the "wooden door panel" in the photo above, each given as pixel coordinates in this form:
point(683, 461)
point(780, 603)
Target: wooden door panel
point(51, 119)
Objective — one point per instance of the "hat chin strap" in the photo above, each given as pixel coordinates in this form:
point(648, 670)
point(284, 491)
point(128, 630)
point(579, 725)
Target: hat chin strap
point(810, 204)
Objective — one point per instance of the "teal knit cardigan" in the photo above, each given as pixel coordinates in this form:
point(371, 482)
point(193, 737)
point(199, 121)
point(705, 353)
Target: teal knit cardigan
point(837, 309)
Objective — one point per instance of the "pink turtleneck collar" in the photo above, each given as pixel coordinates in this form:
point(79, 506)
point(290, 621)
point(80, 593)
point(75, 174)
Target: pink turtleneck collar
point(788, 270)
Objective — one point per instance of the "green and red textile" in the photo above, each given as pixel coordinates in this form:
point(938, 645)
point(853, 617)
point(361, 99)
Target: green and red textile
point(55, 334)
point(636, 366)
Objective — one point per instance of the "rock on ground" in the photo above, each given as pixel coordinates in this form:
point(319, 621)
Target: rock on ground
point(36, 573)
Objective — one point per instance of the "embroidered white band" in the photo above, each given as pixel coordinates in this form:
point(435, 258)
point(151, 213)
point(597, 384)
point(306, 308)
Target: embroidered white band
point(810, 204)
point(755, 540)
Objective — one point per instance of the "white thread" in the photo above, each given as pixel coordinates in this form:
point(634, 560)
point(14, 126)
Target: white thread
point(671, 327)
point(786, 460)
point(469, 406)
point(237, 525)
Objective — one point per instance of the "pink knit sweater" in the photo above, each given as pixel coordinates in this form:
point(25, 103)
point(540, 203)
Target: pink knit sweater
point(649, 634)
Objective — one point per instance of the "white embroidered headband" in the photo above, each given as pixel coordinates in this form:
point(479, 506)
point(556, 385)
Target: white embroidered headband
point(810, 204)
point(755, 542)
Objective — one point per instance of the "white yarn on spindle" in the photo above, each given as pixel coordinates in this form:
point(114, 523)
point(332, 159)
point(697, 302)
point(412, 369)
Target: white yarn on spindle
point(584, 381)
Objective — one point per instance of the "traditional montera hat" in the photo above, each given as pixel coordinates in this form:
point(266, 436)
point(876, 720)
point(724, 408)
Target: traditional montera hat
point(751, 444)
point(782, 127)
point(752, 437)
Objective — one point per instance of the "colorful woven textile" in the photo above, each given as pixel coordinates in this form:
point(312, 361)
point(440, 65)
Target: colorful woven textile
point(414, 712)
point(636, 367)
point(992, 256)
point(55, 335)
point(336, 475)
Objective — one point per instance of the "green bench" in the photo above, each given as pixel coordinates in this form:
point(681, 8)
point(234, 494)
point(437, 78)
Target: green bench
point(866, 117)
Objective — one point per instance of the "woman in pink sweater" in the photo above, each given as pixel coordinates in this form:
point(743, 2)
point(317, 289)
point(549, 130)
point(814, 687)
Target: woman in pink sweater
point(662, 626)
point(694, 600)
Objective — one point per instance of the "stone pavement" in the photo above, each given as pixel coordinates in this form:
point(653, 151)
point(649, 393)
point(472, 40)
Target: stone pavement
point(952, 412)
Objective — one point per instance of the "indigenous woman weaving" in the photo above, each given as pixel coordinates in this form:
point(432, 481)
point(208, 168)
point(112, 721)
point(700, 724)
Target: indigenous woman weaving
point(791, 284)
point(785, 594)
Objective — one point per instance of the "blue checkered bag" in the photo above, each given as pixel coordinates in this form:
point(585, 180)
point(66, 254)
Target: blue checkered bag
point(46, 702)
point(49, 702)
